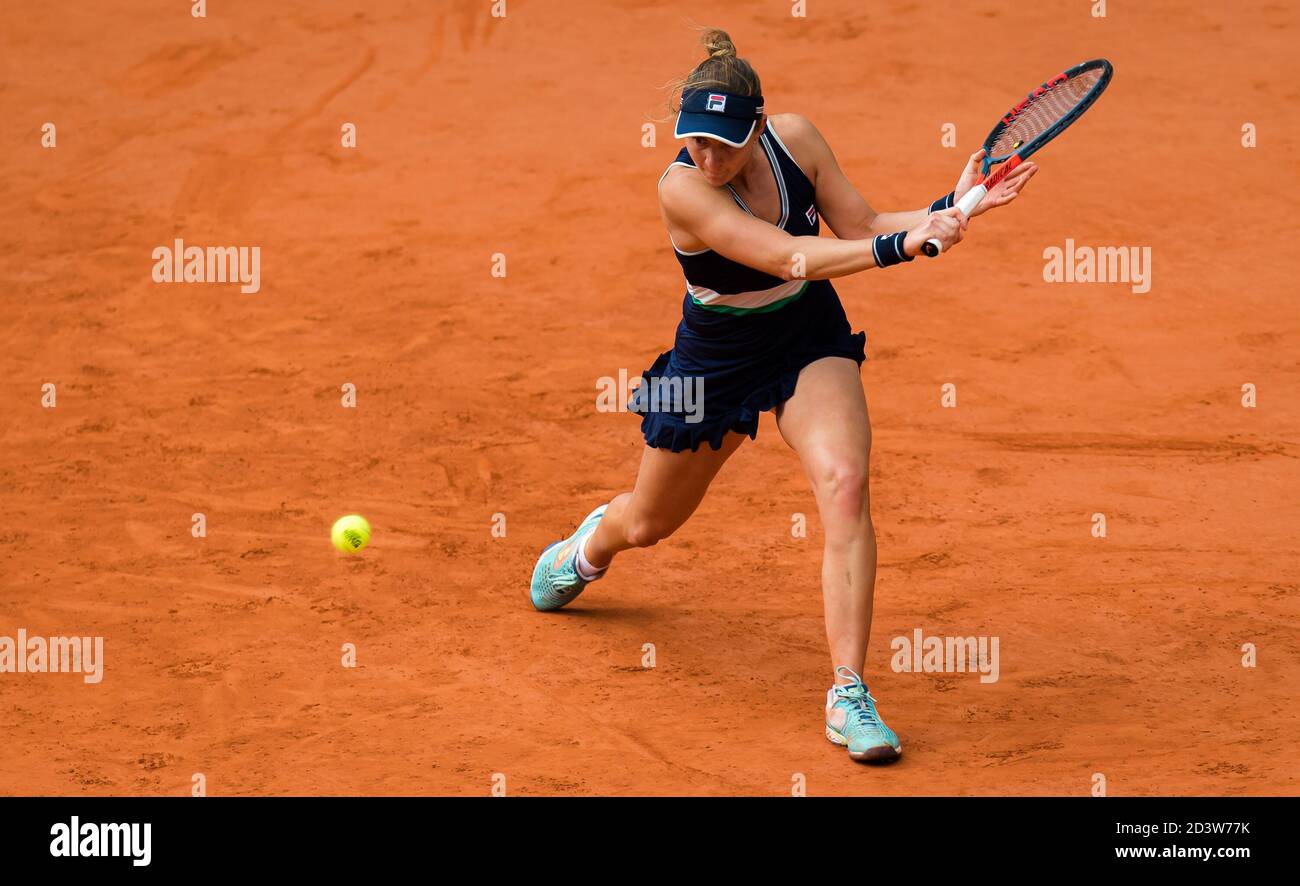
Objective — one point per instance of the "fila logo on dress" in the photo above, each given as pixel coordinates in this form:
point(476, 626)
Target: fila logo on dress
point(812, 214)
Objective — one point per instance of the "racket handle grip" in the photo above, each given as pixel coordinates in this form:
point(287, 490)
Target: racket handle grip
point(966, 205)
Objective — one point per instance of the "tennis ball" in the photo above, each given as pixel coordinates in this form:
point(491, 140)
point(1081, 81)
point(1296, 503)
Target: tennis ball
point(351, 533)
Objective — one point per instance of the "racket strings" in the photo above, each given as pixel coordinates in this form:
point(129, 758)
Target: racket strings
point(1043, 112)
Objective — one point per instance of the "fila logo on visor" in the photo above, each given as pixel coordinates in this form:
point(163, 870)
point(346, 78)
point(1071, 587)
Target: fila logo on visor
point(717, 103)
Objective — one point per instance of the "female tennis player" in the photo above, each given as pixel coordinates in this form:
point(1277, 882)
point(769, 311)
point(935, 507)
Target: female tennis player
point(762, 329)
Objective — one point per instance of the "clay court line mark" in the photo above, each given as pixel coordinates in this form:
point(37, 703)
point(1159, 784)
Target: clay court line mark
point(1119, 444)
point(327, 96)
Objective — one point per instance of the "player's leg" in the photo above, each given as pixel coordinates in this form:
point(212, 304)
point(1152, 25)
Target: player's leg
point(669, 486)
point(826, 423)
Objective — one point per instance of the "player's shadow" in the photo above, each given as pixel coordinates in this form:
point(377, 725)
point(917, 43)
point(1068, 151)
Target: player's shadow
point(616, 613)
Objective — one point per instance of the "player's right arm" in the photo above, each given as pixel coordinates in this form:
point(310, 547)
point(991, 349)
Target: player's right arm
point(709, 216)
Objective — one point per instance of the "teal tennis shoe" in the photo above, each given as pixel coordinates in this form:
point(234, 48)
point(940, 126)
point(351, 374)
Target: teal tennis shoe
point(852, 720)
point(556, 581)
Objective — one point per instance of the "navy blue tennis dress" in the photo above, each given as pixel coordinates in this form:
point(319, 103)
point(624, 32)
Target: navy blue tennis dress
point(744, 334)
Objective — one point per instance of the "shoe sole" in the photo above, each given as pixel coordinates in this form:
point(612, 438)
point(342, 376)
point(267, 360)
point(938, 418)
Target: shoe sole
point(881, 754)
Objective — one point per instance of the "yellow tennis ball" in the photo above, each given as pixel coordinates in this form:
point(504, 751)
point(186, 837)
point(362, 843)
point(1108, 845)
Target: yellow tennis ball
point(351, 533)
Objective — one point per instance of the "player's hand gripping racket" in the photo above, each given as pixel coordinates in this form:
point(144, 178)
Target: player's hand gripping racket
point(1042, 116)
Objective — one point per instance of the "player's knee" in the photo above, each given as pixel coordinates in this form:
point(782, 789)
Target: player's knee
point(843, 489)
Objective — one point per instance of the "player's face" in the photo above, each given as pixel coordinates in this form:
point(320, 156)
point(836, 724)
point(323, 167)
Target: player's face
point(719, 162)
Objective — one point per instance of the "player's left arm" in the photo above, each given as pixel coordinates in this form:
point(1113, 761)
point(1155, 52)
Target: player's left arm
point(847, 213)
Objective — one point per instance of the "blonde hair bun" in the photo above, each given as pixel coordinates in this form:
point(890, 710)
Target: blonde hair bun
point(718, 43)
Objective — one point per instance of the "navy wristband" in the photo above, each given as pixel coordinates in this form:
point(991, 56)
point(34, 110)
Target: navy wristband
point(944, 202)
point(887, 249)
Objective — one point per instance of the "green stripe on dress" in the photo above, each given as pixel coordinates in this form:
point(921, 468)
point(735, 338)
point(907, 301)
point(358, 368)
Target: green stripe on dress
point(776, 305)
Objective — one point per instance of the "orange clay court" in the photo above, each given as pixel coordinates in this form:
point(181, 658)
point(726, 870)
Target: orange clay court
point(476, 397)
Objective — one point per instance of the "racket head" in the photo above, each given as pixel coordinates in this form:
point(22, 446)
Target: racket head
point(1046, 112)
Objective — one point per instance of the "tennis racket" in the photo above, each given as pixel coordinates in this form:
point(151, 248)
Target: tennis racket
point(1042, 116)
